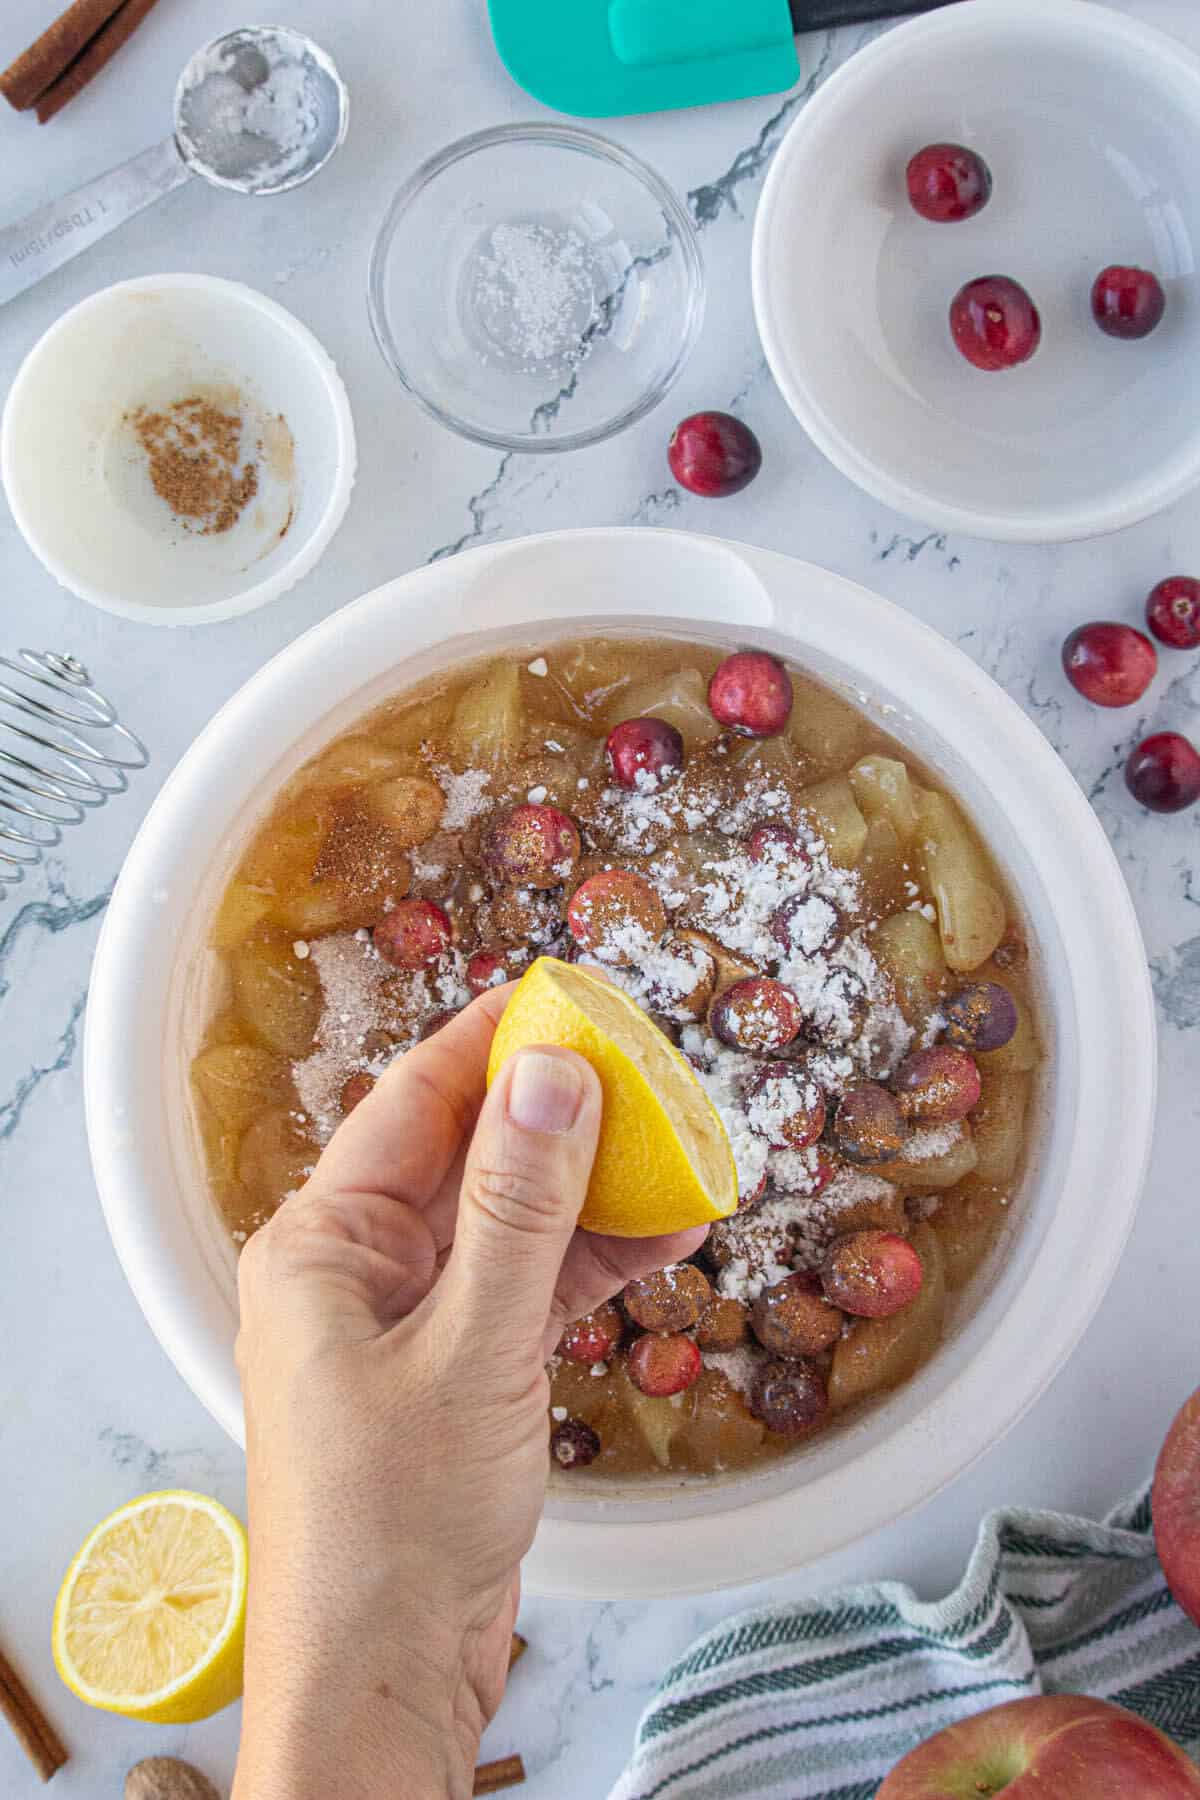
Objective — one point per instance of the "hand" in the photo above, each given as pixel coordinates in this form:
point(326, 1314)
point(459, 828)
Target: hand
point(397, 1315)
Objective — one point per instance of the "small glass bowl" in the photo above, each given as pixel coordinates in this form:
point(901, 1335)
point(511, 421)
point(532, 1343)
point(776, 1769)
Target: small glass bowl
point(536, 287)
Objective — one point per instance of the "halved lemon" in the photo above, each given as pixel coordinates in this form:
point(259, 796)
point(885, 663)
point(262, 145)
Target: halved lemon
point(150, 1620)
point(664, 1161)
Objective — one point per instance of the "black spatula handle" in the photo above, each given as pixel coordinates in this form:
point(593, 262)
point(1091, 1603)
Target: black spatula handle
point(820, 15)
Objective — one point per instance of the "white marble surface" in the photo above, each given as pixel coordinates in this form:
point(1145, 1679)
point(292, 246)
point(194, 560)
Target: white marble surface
point(91, 1413)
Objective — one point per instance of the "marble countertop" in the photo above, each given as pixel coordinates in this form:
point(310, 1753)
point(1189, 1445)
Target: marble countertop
point(91, 1412)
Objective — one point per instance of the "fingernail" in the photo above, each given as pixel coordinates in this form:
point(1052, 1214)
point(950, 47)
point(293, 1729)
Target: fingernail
point(545, 1092)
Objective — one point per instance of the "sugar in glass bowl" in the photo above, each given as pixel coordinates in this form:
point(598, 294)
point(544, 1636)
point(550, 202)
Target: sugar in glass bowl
point(536, 287)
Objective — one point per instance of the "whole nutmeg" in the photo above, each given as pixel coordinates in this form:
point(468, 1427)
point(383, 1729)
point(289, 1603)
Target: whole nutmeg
point(166, 1778)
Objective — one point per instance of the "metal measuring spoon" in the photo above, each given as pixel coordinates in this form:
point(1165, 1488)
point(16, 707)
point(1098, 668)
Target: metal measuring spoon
point(259, 110)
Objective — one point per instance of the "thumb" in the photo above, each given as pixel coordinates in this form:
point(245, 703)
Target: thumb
point(523, 1187)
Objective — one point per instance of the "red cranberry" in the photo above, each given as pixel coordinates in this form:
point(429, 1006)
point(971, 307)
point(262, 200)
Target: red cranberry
point(789, 1397)
point(355, 1091)
point(839, 1012)
point(947, 182)
point(486, 969)
point(994, 323)
point(751, 693)
point(660, 1366)
point(748, 1198)
point(593, 1338)
point(869, 1125)
point(1173, 612)
point(785, 1105)
point(938, 1085)
point(714, 454)
point(573, 1444)
point(1127, 302)
point(531, 846)
point(756, 1014)
point(617, 915)
point(643, 753)
point(808, 925)
point(1164, 773)
point(1108, 663)
point(982, 1016)
point(413, 935)
point(792, 1318)
point(780, 848)
point(671, 1299)
point(872, 1274)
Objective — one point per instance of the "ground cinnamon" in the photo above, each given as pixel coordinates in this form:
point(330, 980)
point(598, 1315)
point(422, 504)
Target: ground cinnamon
point(33, 1731)
point(194, 452)
point(490, 1777)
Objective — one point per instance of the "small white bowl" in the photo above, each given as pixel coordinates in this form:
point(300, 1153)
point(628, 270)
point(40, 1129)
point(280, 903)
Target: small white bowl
point(78, 482)
point(151, 990)
point(1090, 124)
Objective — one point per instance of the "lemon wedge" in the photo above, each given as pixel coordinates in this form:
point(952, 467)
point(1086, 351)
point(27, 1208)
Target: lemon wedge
point(664, 1161)
point(150, 1620)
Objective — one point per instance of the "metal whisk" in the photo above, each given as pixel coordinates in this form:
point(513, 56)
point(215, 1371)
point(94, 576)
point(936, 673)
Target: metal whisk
point(59, 757)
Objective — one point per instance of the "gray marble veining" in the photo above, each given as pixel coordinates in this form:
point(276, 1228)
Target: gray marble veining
point(90, 1411)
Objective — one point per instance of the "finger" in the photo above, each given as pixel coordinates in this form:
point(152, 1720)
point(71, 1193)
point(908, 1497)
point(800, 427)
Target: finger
point(524, 1186)
point(403, 1138)
point(595, 1268)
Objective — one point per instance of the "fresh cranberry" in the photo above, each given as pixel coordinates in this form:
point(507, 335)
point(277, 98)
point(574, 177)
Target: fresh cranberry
point(872, 1274)
point(355, 1091)
point(785, 1105)
point(756, 1014)
point(616, 915)
point(714, 454)
point(808, 925)
point(947, 182)
point(1127, 302)
point(1164, 773)
point(671, 1299)
point(531, 846)
point(748, 1198)
point(593, 1338)
point(994, 323)
point(413, 935)
point(643, 753)
point(938, 1085)
point(869, 1125)
point(1108, 663)
point(982, 1016)
point(751, 693)
point(486, 969)
point(789, 1397)
point(793, 1318)
point(823, 1174)
point(1173, 612)
point(660, 1366)
point(780, 848)
point(573, 1444)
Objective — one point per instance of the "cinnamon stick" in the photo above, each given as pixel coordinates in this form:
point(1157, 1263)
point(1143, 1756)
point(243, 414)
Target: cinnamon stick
point(491, 1777)
point(33, 1731)
point(25, 80)
point(96, 54)
point(517, 1649)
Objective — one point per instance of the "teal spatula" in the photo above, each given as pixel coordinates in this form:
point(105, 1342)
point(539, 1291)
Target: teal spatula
point(597, 58)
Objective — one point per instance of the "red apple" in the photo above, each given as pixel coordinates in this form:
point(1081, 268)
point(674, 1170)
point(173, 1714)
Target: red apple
point(1056, 1747)
point(1175, 1502)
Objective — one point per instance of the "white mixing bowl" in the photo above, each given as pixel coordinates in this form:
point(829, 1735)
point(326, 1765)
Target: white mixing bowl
point(1075, 1211)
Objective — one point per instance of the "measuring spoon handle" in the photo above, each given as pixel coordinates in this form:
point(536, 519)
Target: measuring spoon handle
point(52, 234)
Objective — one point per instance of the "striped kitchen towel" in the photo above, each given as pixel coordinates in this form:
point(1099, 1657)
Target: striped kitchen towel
point(819, 1699)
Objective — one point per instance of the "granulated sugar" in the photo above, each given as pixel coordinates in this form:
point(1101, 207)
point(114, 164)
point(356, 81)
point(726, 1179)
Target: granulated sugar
point(533, 293)
point(466, 796)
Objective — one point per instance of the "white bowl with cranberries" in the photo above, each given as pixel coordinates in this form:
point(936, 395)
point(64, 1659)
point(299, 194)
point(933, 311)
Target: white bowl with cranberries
point(975, 268)
point(666, 1533)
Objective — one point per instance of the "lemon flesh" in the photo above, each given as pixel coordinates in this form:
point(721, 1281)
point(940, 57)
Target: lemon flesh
point(664, 1162)
point(150, 1619)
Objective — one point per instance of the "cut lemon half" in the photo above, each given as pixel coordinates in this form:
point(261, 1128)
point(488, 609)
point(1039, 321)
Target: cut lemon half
point(664, 1161)
point(150, 1620)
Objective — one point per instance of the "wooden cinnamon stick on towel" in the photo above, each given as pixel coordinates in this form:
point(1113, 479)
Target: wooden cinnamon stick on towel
point(33, 1731)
